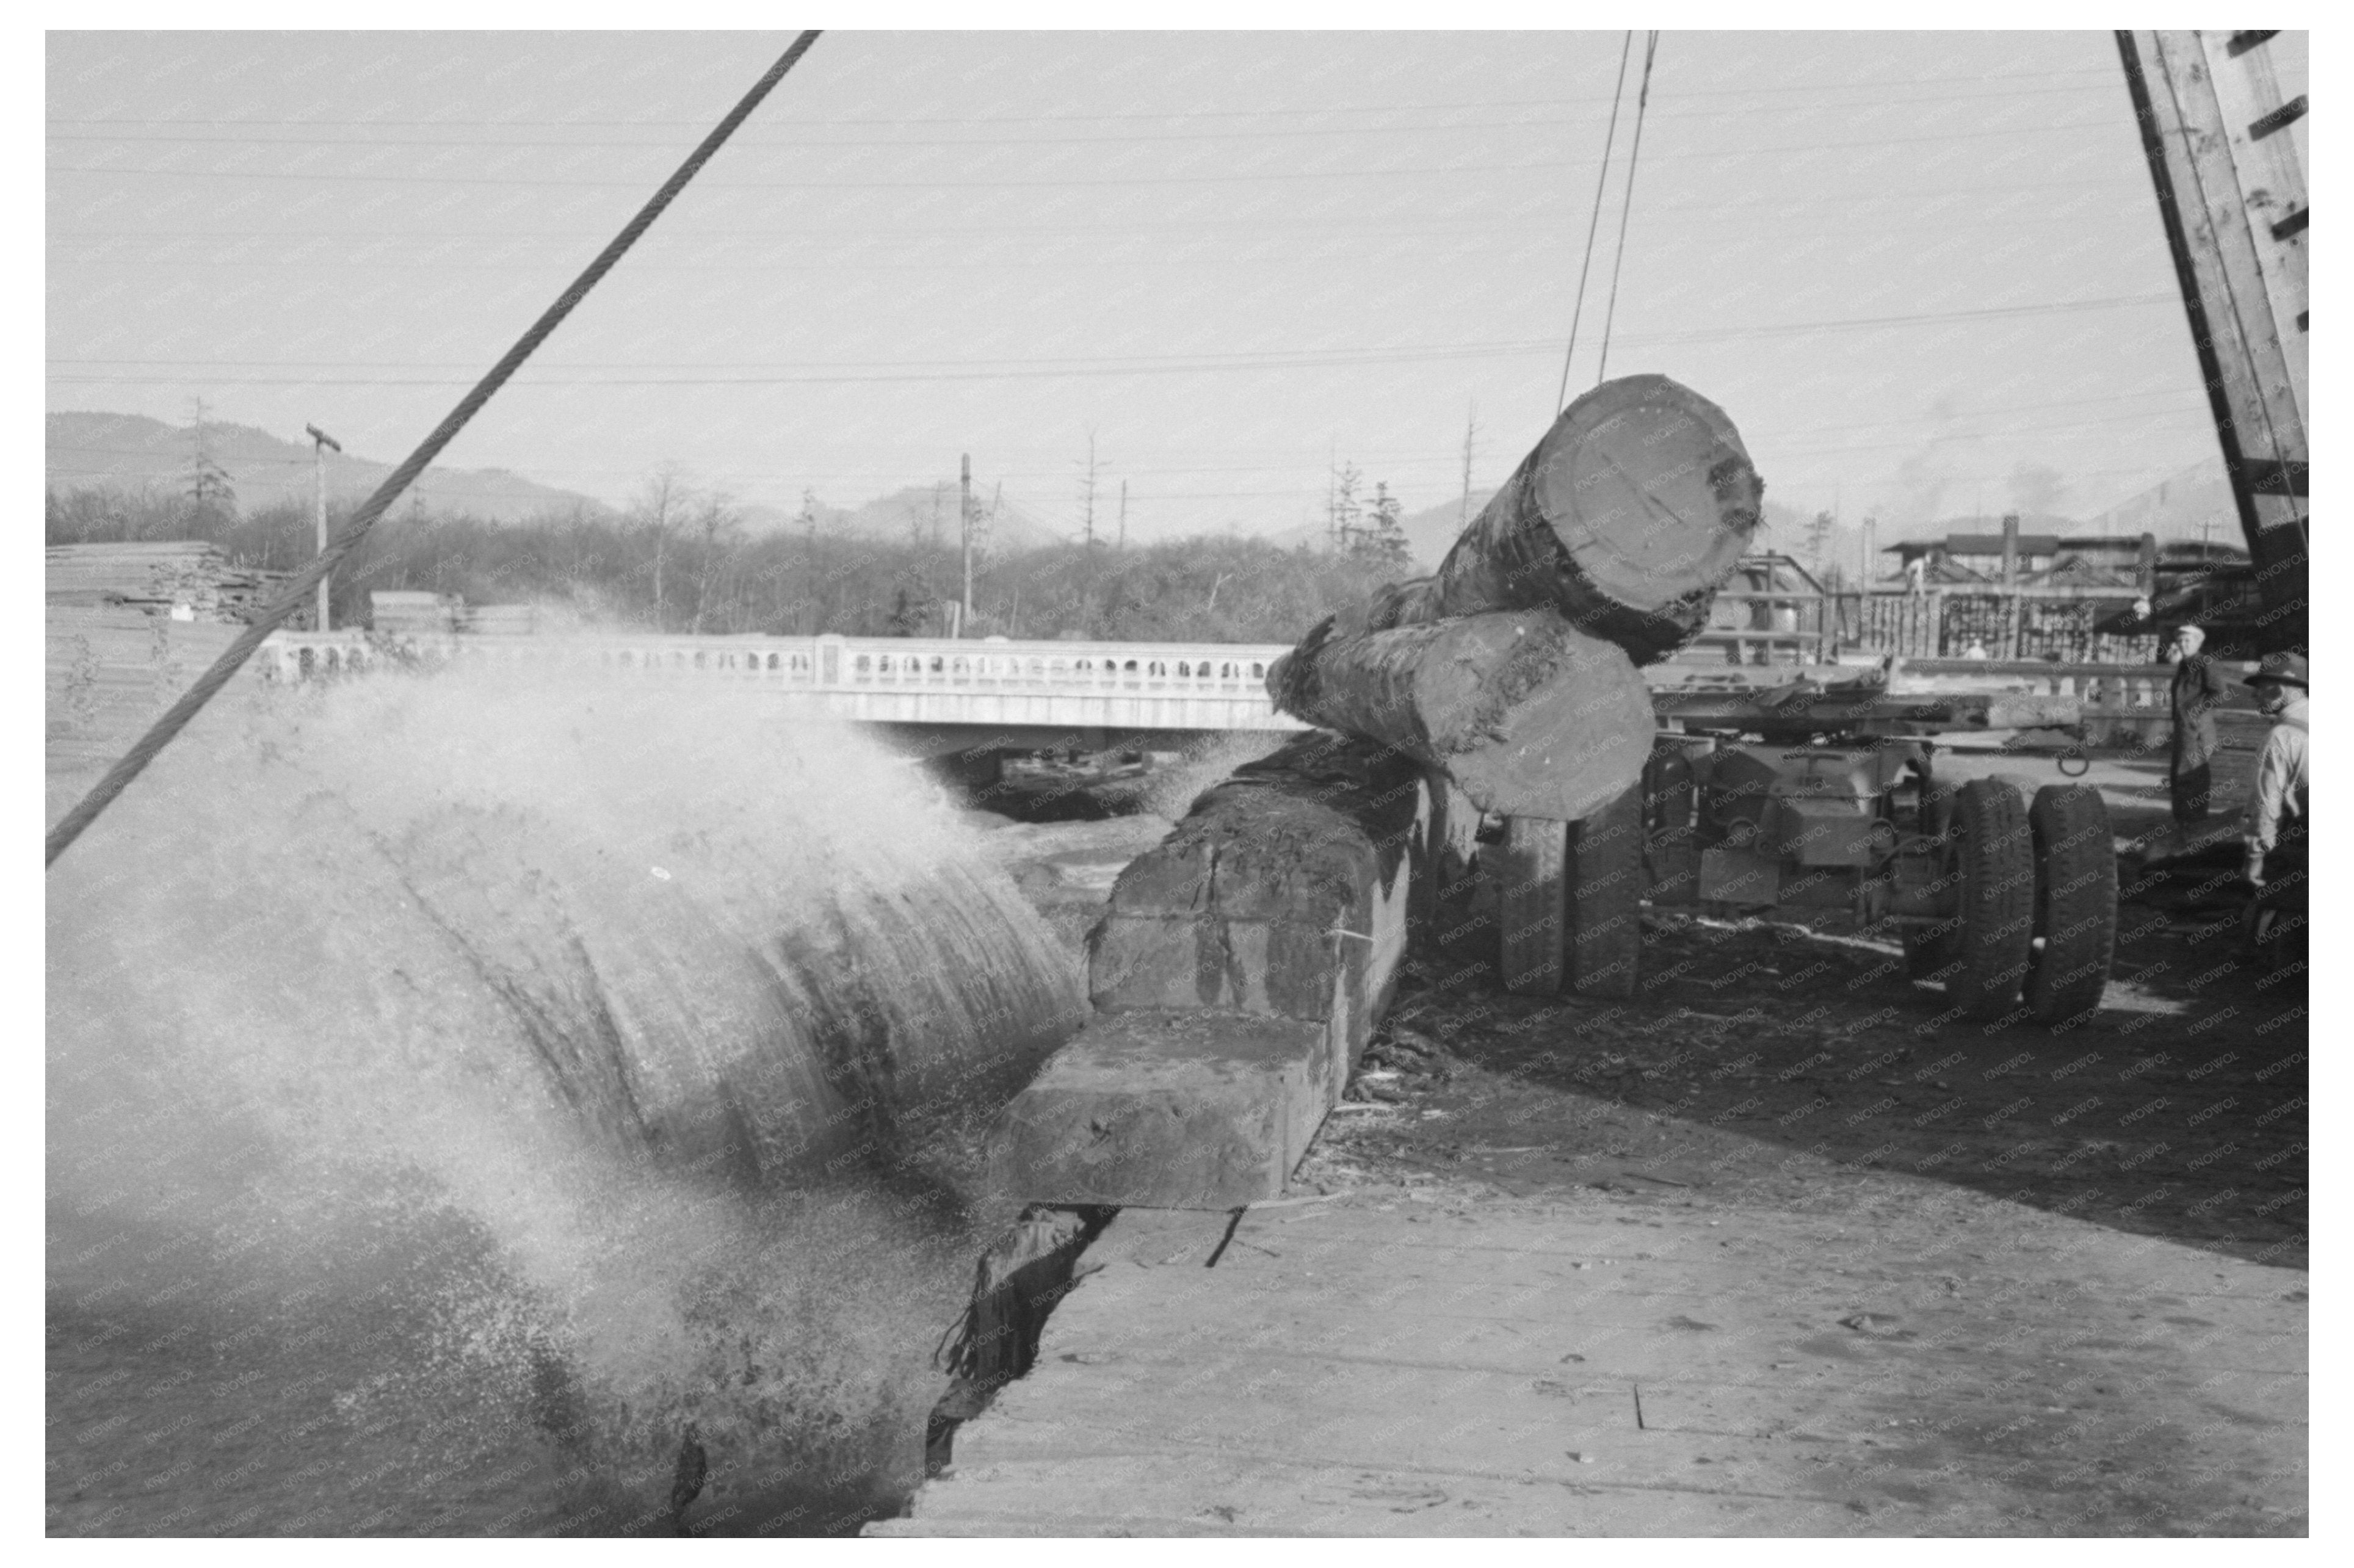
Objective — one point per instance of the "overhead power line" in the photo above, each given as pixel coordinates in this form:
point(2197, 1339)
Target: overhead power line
point(800, 137)
point(887, 370)
point(1814, 92)
point(963, 180)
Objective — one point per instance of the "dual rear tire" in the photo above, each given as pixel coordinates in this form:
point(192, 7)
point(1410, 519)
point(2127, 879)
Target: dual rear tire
point(2036, 914)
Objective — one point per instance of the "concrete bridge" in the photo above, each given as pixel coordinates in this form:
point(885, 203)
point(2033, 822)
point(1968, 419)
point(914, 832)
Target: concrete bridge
point(941, 695)
point(937, 695)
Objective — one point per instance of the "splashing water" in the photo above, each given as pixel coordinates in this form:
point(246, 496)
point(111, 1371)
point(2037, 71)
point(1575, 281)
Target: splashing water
point(459, 1085)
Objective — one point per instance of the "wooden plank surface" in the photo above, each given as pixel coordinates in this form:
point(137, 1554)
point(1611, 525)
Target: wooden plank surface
point(1376, 1365)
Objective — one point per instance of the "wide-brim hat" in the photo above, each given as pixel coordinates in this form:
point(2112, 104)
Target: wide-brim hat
point(2287, 668)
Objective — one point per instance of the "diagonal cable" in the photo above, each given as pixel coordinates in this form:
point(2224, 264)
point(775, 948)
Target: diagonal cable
point(1634, 156)
point(176, 717)
point(1593, 223)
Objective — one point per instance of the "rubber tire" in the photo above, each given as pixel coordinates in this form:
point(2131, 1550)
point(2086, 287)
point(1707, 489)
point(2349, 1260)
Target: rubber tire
point(1532, 905)
point(1930, 950)
point(1994, 941)
point(2076, 902)
point(1607, 884)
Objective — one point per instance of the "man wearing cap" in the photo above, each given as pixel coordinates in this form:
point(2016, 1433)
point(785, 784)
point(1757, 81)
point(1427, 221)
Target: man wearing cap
point(2197, 687)
point(2277, 817)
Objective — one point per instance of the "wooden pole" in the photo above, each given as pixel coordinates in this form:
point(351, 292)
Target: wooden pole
point(320, 442)
point(964, 515)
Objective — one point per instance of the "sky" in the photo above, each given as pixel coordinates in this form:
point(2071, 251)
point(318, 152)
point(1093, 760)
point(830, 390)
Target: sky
point(1924, 272)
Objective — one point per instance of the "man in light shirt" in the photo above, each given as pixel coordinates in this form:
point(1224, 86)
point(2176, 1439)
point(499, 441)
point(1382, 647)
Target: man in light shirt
point(2276, 816)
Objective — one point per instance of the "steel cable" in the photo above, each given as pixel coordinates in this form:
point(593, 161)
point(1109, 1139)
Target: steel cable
point(175, 719)
point(1593, 223)
point(1634, 156)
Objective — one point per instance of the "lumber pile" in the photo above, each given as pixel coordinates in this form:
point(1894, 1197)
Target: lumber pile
point(1512, 669)
point(189, 579)
point(413, 612)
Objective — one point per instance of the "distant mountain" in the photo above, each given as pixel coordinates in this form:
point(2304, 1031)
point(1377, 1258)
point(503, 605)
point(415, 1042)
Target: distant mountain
point(131, 451)
point(917, 511)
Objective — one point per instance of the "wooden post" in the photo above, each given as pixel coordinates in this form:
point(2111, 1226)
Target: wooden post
point(320, 442)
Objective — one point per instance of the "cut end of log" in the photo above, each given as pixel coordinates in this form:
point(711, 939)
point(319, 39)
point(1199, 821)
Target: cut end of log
point(1649, 489)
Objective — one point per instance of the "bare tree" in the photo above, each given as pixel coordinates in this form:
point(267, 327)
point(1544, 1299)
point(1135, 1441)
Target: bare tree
point(720, 527)
point(210, 493)
point(659, 505)
point(1342, 507)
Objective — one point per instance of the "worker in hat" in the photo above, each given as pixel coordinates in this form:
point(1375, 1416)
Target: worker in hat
point(2277, 817)
point(2193, 694)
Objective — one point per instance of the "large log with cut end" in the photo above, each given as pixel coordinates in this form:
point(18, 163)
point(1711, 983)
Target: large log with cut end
point(1625, 518)
point(1529, 716)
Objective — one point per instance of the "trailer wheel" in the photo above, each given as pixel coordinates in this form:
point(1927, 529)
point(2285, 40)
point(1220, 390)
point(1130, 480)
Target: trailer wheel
point(2076, 902)
point(1531, 904)
point(1994, 940)
point(1606, 885)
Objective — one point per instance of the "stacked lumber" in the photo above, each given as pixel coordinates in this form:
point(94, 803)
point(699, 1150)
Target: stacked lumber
point(1512, 669)
point(111, 670)
point(2060, 630)
point(188, 578)
point(499, 620)
point(411, 613)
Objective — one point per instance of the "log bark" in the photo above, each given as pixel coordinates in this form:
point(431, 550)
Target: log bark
point(1529, 716)
point(1625, 518)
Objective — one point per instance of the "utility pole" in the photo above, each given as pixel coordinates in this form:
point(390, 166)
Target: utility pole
point(964, 516)
point(809, 555)
point(320, 442)
point(1087, 494)
point(1470, 434)
point(1123, 514)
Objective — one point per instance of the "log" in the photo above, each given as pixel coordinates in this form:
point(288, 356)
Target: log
point(1529, 716)
point(1627, 515)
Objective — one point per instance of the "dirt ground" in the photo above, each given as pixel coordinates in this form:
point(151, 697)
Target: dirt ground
point(1768, 1076)
point(2178, 1111)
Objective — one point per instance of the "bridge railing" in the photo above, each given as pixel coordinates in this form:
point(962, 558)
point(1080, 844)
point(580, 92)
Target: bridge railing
point(827, 663)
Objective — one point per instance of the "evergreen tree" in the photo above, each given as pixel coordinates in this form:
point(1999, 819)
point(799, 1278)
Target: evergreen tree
point(1384, 540)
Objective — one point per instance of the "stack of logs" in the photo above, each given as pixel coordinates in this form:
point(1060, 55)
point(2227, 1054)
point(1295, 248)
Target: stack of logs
point(1512, 671)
